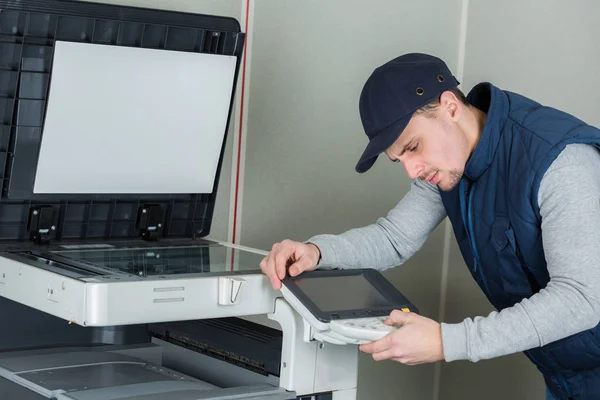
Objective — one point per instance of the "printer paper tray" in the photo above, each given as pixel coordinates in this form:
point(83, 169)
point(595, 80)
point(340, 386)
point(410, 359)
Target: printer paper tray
point(86, 288)
point(108, 374)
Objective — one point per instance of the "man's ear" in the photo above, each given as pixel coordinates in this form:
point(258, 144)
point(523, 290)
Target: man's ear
point(451, 105)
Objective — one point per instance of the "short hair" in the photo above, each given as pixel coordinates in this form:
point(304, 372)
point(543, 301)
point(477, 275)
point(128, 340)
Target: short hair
point(429, 109)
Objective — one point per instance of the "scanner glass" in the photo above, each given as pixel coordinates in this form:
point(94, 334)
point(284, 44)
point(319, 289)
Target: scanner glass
point(167, 260)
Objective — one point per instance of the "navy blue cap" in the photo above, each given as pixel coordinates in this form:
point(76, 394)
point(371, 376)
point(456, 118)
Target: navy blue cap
point(391, 95)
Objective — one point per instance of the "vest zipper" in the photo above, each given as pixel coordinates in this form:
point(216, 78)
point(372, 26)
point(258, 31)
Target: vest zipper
point(533, 284)
point(467, 217)
point(560, 377)
point(565, 385)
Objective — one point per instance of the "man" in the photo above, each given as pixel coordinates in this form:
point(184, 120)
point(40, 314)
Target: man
point(520, 183)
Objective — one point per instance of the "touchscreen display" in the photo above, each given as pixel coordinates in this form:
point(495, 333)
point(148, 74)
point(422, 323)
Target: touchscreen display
point(342, 293)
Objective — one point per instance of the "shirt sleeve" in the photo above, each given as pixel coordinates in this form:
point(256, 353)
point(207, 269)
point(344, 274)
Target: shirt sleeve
point(391, 240)
point(569, 202)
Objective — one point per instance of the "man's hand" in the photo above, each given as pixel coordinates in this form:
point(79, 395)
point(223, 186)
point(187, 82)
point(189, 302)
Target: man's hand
point(417, 341)
point(289, 257)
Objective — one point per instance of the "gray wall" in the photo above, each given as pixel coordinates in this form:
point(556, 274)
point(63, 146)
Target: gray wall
point(549, 53)
point(546, 50)
point(309, 62)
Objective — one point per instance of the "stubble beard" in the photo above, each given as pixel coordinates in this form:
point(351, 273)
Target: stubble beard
point(454, 179)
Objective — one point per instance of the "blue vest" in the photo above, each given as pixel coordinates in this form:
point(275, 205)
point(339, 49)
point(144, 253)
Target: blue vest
point(495, 216)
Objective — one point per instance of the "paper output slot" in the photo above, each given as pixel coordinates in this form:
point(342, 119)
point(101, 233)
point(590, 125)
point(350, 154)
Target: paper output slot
point(170, 289)
point(171, 300)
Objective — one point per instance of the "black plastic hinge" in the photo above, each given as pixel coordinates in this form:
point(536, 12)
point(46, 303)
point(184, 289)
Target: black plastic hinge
point(316, 396)
point(150, 221)
point(41, 224)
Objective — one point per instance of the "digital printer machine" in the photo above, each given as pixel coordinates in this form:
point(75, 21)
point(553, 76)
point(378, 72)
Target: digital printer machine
point(113, 127)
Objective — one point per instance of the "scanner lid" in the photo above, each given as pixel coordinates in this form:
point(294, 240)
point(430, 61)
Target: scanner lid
point(113, 120)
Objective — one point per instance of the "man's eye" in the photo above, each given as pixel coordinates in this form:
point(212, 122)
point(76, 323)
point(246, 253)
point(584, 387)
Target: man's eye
point(413, 148)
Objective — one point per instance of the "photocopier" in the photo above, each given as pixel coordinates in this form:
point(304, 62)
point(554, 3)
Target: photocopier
point(113, 124)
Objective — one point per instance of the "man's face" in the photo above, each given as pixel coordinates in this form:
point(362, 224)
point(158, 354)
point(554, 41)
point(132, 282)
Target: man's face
point(433, 148)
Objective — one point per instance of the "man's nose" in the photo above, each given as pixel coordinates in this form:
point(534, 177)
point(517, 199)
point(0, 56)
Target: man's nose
point(413, 169)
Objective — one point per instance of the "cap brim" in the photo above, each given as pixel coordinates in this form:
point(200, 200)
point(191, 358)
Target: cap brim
point(381, 143)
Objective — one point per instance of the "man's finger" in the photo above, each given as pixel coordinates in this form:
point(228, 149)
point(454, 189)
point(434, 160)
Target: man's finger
point(281, 261)
point(404, 360)
point(398, 317)
point(388, 354)
point(272, 272)
point(378, 346)
point(300, 266)
point(275, 282)
point(267, 268)
point(269, 265)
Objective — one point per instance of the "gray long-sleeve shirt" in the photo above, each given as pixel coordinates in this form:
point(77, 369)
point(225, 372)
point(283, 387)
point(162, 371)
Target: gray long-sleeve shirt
point(569, 202)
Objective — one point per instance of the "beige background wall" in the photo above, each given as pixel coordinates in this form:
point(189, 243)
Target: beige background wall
point(546, 50)
point(309, 62)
